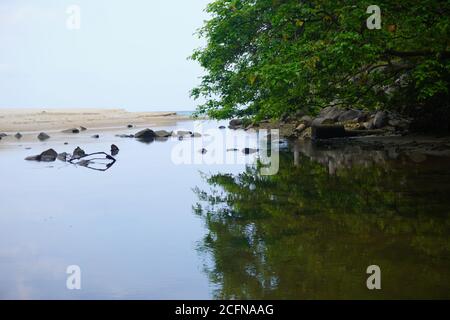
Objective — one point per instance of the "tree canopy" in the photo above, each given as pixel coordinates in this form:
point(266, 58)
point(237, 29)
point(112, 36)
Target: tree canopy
point(265, 58)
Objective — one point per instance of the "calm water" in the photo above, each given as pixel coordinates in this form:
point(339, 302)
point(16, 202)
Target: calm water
point(151, 229)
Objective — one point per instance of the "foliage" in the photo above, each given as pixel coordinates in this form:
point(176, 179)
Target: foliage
point(305, 234)
point(264, 58)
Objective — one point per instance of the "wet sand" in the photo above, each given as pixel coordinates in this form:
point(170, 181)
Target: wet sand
point(54, 120)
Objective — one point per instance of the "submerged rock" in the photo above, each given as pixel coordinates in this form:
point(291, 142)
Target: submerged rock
point(114, 150)
point(96, 136)
point(125, 135)
point(43, 136)
point(73, 130)
point(203, 151)
point(49, 155)
point(63, 157)
point(18, 135)
point(163, 134)
point(249, 150)
point(78, 153)
point(130, 126)
point(182, 133)
point(146, 134)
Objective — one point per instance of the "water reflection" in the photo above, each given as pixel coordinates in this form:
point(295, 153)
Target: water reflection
point(312, 230)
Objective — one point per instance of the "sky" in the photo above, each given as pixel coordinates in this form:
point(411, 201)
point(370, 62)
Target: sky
point(125, 54)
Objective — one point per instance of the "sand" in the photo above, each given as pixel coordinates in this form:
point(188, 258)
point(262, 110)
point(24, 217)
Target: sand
point(53, 120)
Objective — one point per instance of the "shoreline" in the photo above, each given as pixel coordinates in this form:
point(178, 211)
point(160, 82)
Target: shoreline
point(29, 121)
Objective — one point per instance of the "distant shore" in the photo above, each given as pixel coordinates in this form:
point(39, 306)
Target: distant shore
point(34, 120)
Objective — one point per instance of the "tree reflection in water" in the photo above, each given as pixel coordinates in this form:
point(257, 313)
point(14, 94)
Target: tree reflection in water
point(312, 230)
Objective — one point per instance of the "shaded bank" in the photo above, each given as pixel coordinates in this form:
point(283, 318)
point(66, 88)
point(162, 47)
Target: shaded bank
point(311, 231)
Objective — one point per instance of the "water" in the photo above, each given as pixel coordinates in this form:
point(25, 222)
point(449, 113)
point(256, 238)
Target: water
point(150, 229)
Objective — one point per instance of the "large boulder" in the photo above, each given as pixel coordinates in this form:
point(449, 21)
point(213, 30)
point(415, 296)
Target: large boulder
point(350, 115)
point(146, 135)
point(380, 120)
point(43, 136)
point(331, 113)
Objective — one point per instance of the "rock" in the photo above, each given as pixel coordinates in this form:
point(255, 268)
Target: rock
point(49, 155)
point(394, 122)
point(306, 120)
point(83, 128)
point(300, 128)
point(368, 125)
point(96, 136)
point(380, 120)
point(78, 153)
point(232, 150)
point(2, 135)
point(18, 135)
point(33, 158)
point(182, 133)
point(43, 136)
point(66, 143)
point(331, 113)
point(125, 135)
point(203, 151)
point(73, 130)
point(249, 150)
point(146, 135)
point(322, 121)
point(114, 150)
point(196, 135)
point(236, 124)
point(130, 126)
point(349, 115)
point(222, 127)
point(328, 132)
point(163, 134)
point(63, 156)
point(249, 127)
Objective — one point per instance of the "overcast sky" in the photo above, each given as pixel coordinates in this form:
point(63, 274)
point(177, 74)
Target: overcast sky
point(128, 54)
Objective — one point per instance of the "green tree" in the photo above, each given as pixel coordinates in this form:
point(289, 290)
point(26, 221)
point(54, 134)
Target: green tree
point(264, 58)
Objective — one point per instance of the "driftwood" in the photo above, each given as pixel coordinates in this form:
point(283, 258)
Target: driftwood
point(87, 163)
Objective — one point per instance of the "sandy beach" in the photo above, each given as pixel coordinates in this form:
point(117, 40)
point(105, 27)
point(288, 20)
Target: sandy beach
point(36, 120)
